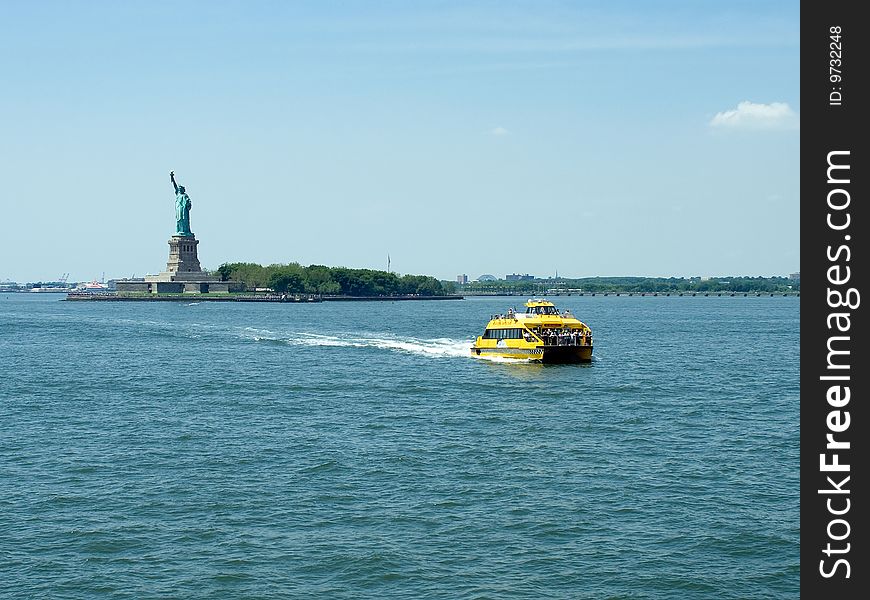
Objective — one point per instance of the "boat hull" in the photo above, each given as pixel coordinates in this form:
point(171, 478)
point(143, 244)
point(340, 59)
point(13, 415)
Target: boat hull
point(542, 354)
point(567, 354)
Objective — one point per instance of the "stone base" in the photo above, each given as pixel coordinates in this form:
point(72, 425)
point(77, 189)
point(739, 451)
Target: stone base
point(139, 286)
point(167, 276)
point(183, 274)
point(157, 284)
point(182, 255)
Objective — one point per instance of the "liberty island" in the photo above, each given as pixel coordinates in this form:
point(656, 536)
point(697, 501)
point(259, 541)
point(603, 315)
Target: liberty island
point(184, 277)
point(183, 274)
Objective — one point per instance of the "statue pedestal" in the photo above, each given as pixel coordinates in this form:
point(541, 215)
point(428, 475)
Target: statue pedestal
point(183, 272)
point(183, 264)
point(182, 255)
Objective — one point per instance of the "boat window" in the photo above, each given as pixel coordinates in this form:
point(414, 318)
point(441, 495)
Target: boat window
point(542, 310)
point(515, 333)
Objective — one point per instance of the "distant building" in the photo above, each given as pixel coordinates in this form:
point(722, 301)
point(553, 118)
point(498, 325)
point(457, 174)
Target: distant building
point(10, 286)
point(487, 277)
point(462, 279)
point(795, 276)
point(518, 277)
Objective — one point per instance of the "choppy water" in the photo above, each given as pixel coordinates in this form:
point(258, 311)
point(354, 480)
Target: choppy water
point(355, 450)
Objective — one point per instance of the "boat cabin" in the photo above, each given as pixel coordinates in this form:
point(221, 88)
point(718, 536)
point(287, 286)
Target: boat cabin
point(541, 307)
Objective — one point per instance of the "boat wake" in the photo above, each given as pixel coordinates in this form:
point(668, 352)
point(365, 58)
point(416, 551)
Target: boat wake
point(502, 359)
point(434, 347)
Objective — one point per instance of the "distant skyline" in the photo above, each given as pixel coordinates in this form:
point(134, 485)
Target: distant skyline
point(599, 139)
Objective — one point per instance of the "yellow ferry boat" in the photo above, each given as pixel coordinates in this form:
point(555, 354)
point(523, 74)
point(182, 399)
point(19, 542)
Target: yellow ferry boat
point(541, 334)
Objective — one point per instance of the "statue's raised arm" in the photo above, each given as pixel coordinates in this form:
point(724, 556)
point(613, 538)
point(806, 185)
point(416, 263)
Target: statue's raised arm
point(172, 178)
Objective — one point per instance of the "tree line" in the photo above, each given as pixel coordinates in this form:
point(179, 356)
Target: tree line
point(293, 278)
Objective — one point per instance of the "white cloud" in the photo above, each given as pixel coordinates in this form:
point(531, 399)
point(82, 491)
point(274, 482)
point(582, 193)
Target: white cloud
point(499, 131)
point(750, 115)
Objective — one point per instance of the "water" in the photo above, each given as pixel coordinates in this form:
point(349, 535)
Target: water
point(356, 450)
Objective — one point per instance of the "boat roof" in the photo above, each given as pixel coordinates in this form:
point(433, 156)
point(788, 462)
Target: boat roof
point(538, 302)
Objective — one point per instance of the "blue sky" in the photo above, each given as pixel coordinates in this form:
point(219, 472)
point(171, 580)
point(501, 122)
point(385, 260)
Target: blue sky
point(617, 138)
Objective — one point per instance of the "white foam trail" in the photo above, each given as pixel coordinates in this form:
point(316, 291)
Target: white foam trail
point(255, 330)
point(434, 347)
point(260, 335)
point(501, 359)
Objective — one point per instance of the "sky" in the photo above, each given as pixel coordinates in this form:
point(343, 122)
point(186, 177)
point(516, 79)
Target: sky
point(593, 138)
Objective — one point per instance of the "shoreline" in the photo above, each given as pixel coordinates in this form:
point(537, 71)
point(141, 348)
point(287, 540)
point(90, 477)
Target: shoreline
point(306, 299)
point(539, 295)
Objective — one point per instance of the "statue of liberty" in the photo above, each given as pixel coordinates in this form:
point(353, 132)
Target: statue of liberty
point(182, 208)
